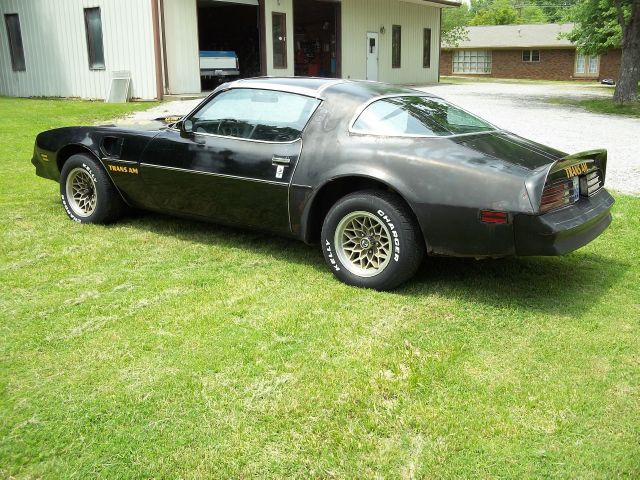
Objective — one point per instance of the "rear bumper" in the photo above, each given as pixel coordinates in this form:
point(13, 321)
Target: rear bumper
point(565, 230)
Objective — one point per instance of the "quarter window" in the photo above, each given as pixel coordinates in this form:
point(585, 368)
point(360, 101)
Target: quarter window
point(417, 116)
point(95, 48)
point(14, 35)
point(396, 46)
point(256, 115)
point(472, 61)
point(531, 55)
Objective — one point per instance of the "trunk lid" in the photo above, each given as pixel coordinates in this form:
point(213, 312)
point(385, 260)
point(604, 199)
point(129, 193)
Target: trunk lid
point(510, 148)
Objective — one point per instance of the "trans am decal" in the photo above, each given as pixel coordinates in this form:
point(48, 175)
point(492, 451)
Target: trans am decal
point(122, 169)
point(575, 170)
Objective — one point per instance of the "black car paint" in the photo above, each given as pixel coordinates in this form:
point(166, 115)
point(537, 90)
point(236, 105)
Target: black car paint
point(446, 181)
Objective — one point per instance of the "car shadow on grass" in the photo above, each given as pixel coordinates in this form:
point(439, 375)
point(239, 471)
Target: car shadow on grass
point(207, 233)
point(569, 284)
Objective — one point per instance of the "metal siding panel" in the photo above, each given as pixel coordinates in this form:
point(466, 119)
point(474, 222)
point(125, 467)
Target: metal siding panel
point(362, 16)
point(56, 50)
point(183, 57)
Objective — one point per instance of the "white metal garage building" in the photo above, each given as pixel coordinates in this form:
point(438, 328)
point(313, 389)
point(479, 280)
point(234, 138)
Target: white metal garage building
point(70, 48)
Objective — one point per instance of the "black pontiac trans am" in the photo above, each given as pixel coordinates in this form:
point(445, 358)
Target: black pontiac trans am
point(378, 175)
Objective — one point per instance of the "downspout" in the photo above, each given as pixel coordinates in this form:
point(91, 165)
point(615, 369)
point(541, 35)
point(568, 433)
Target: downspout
point(164, 48)
point(439, 45)
point(156, 46)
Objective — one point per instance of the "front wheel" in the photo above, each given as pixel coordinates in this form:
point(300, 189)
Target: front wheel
point(88, 196)
point(371, 240)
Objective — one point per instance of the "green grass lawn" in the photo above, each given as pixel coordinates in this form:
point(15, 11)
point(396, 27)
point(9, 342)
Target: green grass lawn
point(600, 105)
point(166, 348)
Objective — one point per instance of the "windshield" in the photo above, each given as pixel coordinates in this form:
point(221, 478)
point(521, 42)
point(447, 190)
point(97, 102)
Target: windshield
point(417, 115)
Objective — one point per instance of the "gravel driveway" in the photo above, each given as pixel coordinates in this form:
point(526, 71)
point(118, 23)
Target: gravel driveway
point(522, 109)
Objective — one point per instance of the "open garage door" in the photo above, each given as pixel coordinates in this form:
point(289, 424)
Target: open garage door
point(229, 40)
point(317, 38)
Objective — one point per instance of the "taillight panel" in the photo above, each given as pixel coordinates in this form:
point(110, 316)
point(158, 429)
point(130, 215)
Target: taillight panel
point(567, 191)
point(591, 183)
point(560, 194)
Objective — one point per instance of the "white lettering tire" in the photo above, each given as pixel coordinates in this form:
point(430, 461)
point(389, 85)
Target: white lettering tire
point(88, 195)
point(371, 240)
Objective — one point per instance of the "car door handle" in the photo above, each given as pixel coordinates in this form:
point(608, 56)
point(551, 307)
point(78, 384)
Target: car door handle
point(285, 161)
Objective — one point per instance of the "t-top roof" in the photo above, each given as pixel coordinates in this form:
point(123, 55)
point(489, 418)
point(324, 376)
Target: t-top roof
point(314, 87)
point(516, 36)
point(304, 85)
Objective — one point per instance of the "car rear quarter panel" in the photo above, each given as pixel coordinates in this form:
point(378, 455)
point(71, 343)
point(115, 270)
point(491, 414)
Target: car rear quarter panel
point(444, 181)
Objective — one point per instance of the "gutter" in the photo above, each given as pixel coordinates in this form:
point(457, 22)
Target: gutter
point(448, 3)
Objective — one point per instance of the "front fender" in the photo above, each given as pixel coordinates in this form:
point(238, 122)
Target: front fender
point(52, 146)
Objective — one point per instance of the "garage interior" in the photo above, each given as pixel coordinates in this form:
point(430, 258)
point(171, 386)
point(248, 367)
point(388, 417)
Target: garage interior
point(230, 26)
point(317, 42)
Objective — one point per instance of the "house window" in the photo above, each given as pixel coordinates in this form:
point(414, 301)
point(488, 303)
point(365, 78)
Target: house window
point(587, 65)
point(279, 27)
point(531, 55)
point(14, 35)
point(396, 46)
point(95, 48)
point(472, 61)
point(426, 48)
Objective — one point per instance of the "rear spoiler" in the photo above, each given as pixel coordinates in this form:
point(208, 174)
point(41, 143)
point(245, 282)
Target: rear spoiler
point(566, 167)
point(578, 164)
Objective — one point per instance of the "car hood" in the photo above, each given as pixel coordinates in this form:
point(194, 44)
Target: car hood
point(142, 125)
point(510, 148)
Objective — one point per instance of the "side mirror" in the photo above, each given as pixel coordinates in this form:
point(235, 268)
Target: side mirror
point(186, 128)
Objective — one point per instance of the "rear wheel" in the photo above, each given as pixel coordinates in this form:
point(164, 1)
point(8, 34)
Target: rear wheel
point(88, 196)
point(370, 240)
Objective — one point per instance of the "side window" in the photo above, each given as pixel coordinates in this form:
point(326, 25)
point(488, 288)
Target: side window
point(95, 48)
point(255, 115)
point(426, 48)
point(396, 46)
point(12, 21)
point(279, 30)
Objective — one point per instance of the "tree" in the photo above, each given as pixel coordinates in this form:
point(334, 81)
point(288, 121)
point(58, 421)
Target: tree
point(454, 23)
point(498, 12)
point(605, 24)
point(555, 11)
point(532, 14)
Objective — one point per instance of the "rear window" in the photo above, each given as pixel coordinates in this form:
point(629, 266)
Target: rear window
point(416, 115)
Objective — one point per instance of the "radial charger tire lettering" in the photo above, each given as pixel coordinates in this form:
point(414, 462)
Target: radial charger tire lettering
point(88, 195)
point(370, 239)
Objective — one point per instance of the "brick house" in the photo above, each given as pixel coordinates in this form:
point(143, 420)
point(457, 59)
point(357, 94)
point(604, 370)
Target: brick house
point(525, 51)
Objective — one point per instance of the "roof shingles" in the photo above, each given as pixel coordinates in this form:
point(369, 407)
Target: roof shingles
point(544, 35)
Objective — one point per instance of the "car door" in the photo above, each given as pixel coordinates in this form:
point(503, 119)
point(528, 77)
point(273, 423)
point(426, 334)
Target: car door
point(233, 160)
